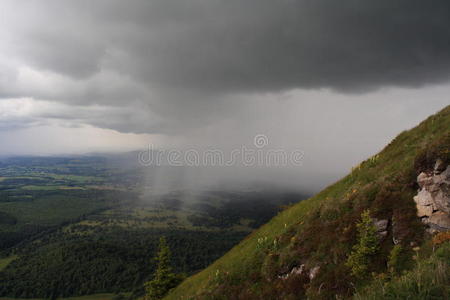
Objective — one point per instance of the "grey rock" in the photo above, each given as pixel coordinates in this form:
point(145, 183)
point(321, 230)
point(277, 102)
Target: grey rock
point(424, 198)
point(442, 201)
point(424, 211)
point(297, 270)
point(443, 178)
point(381, 225)
point(423, 179)
point(439, 166)
point(313, 272)
point(441, 220)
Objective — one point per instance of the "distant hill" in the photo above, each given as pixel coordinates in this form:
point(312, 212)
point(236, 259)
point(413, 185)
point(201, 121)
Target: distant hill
point(304, 251)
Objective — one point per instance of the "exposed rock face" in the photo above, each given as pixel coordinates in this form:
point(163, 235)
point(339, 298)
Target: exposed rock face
point(381, 226)
point(433, 198)
point(295, 271)
point(312, 273)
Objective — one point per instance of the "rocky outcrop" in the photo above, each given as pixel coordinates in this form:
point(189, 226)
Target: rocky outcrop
point(295, 271)
point(301, 270)
point(433, 198)
point(381, 226)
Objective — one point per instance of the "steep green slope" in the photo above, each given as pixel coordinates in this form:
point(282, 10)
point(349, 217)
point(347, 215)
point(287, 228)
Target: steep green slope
point(317, 235)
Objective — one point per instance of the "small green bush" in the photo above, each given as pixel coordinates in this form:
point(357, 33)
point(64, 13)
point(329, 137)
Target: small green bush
point(394, 262)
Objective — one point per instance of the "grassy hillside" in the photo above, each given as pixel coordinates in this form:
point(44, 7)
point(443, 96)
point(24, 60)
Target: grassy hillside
point(320, 232)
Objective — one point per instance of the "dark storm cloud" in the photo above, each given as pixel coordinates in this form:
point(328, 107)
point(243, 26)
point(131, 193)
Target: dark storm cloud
point(191, 62)
point(240, 46)
point(274, 45)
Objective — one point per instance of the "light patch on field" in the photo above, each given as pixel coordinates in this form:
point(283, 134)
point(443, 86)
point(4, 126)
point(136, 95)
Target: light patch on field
point(50, 187)
point(87, 297)
point(104, 187)
point(4, 262)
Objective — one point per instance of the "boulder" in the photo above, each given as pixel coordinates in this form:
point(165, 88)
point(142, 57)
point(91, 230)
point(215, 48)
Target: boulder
point(440, 220)
point(424, 211)
point(423, 179)
point(424, 198)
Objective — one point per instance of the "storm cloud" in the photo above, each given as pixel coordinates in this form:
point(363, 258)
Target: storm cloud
point(310, 74)
point(238, 46)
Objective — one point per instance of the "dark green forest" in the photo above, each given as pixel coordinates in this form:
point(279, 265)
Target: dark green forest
point(106, 262)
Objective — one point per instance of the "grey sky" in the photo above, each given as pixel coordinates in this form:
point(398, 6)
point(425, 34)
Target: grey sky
point(320, 75)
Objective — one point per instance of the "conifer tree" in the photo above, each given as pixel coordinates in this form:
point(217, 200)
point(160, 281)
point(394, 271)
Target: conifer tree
point(366, 246)
point(164, 278)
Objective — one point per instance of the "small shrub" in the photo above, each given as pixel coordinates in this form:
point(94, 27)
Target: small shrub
point(430, 279)
point(394, 262)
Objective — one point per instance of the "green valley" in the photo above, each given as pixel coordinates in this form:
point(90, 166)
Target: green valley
point(85, 225)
